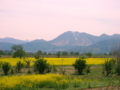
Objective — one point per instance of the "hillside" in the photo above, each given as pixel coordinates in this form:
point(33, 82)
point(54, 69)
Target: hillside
point(68, 41)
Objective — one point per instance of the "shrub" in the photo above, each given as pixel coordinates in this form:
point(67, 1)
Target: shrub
point(118, 69)
point(54, 69)
point(12, 71)
point(87, 70)
point(1, 64)
point(41, 65)
point(19, 66)
point(29, 70)
point(80, 65)
point(108, 67)
point(37, 56)
point(27, 63)
point(6, 67)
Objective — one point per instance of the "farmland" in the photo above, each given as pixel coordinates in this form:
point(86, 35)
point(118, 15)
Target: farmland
point(56, 61)
point(70, 80)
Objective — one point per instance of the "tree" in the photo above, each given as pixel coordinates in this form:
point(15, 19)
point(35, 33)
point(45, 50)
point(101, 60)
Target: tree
point(41, 65)
point(64, 53)
point(80, 65)
point(45, 53)
point(2, 52)
point(116, 53)
point(76, 53)
point(108, 67)
point(37, 54)
point(6, 67)
point(89, 54)
point(71, 53)
point(18, 51)
point(58, 54)
point(19, 66)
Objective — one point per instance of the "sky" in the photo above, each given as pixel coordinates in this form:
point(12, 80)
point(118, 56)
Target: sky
point(46, 19)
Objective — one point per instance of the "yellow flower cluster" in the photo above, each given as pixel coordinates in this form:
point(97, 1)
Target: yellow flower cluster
point(41, 81)
point(33, 81)
point(56, 61)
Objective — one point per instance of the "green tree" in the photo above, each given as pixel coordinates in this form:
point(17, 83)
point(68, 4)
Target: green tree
point(49, 53)
point(89, 54)
point(108, 67)
point(58, 54)
point(38, 54)
point(41, 65)
point(80, 65)
point(18, 51)
point(6, 67)
point(19, 66)
point(45, 53)
point(2, 52)
point(116, 53)
point(76, 53)
point(64, 53)
point(71, 53)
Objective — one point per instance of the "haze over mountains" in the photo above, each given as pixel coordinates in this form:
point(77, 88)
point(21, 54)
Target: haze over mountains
point(68, 41)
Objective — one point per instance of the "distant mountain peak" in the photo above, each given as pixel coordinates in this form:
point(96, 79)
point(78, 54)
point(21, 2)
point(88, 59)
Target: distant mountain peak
point(72, 38)
point(12, 40)
point(75, 34)
point(104, 34)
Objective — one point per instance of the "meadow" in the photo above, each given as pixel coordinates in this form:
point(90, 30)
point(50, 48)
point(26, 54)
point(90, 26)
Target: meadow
point(56, 80)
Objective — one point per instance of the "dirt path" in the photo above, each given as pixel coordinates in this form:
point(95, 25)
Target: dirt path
point(104, 88)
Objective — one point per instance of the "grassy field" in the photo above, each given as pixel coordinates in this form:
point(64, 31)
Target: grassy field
point(55, 80)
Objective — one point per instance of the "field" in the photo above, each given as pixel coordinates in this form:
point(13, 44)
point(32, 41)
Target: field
point(55, 80)
point(56, 61)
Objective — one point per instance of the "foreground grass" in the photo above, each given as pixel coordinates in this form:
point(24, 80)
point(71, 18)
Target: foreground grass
point(51, 81)
point(71, 81)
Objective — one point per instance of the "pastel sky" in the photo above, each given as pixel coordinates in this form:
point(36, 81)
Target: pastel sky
point(46, 19)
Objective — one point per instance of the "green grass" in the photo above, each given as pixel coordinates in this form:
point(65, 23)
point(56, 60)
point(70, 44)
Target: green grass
point(93, 79)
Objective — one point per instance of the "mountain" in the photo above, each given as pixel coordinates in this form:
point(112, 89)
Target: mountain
point(5, 46)
point(68, 41)
point(80, 39)
point(38, 45)
point(104, 46)
point(74, 38)
point(12, 40)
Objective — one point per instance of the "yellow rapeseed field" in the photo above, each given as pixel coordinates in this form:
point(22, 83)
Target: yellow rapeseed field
point(41, 81)
point(56, 61)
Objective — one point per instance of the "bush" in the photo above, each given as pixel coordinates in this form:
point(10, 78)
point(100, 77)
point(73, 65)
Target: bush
point(19, 66)
point(37, 56)
point(118, 69)
point(12, 71)
point(41, 65)
point(87, 70)
point(1, 64)
point(27, 63)
point(6, 67)
point(80, 65)
point(108, 67)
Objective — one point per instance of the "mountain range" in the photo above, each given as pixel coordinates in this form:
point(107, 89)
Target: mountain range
point(68, 41)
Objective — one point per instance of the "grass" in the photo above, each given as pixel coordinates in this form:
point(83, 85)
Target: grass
point(70, 81)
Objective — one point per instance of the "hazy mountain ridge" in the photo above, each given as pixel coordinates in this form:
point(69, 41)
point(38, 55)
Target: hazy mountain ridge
point(104, 46)
point(12, 40)
point(68, 41)
point(5, 46)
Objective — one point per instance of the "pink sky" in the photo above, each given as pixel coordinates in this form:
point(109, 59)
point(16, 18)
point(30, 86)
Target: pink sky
point(46, 19)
